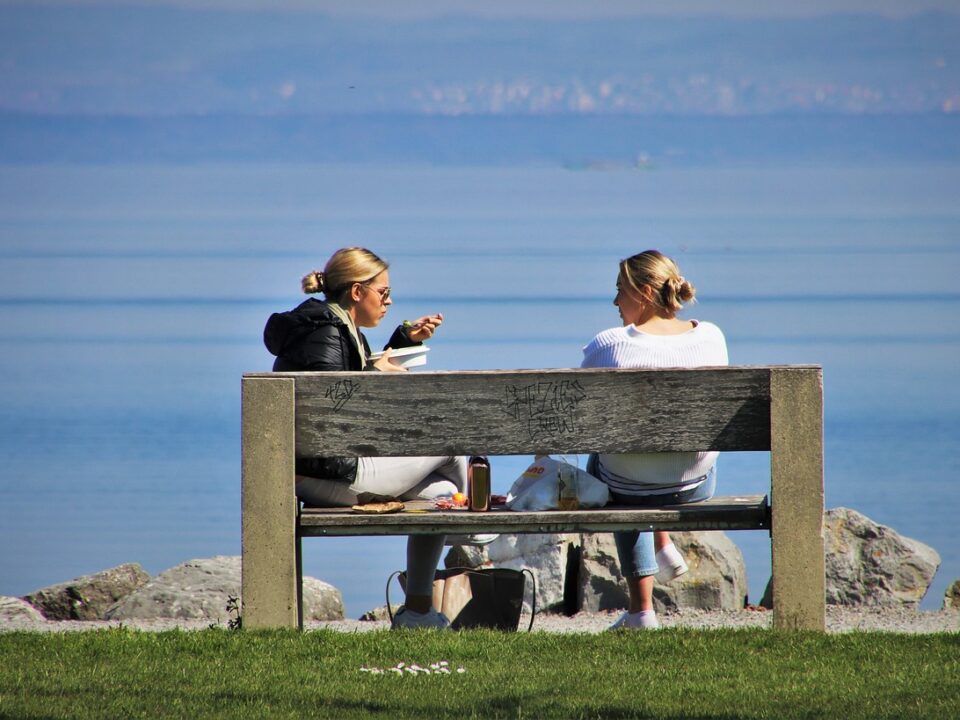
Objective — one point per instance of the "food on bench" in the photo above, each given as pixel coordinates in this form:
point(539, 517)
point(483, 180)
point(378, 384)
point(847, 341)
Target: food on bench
point(459, 499)
point(446, 503)
point(379, 508)
point(496, 500)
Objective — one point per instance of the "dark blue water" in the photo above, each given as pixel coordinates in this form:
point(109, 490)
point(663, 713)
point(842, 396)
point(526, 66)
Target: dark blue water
point(132, 300)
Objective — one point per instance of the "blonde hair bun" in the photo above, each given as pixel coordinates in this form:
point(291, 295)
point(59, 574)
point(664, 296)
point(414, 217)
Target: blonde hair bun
point(653, 269)
point(313, 282)
point(686, 292)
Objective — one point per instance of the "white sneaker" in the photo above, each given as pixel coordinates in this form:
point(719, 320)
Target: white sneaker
point(636, 621)
point(476, 539)
point(431, 620)
point(671, 563)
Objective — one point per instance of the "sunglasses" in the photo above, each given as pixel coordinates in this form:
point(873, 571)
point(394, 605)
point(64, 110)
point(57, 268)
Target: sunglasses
point(383, 291)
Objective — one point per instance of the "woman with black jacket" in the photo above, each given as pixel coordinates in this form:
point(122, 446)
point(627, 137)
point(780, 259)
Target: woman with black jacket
point(325, 336)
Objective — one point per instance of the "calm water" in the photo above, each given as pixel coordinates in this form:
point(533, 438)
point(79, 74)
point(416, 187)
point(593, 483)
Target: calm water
point(133, 299)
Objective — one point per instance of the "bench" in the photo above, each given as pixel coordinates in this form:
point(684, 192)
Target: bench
point(525, 412)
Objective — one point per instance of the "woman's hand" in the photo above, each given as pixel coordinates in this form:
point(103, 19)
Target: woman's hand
point(425, 327)
point(383, 363)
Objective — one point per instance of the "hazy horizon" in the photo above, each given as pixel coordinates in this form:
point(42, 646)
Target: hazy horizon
point(420, 9)
point(162, 59)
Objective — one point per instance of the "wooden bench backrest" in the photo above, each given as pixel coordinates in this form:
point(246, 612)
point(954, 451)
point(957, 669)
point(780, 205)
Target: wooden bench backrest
point(532, 411)
point(516, 412)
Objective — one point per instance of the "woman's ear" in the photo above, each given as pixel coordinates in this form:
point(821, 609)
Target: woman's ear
point(355, 291)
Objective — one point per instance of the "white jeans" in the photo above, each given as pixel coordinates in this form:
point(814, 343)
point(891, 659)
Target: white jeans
point(396, 478)
point(388, 478)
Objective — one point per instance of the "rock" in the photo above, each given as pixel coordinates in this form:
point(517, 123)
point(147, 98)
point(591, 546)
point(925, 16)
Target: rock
point(951, 599)
point(321, 601)
point(600, 585)
point(16, 610)
point(871, 564)
point(88, 597)
point(545, 555)
point(717, 579)
point(467, 556)
point(379, 614)
point(201, 589)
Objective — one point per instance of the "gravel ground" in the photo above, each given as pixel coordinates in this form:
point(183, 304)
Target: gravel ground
point(839, 619)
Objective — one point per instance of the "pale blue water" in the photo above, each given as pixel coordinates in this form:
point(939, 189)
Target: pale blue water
point(133, 299)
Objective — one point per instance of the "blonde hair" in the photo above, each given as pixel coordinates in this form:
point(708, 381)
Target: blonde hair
point(653, 269)
point(344, 268)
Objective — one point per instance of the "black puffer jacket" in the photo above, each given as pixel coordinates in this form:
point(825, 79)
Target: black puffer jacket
point(313, 337)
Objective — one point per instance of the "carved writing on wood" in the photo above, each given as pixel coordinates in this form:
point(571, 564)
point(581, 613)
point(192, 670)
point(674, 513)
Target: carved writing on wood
point(545, 408)
point(341, 392)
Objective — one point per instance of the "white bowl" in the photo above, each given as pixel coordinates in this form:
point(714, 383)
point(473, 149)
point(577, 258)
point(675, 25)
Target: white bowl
point(407, 357)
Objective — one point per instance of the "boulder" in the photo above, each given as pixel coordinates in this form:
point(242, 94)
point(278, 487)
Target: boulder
point(544, 555)
point(201, 589)
point(88, 597)
point(871, 564)
point(380, 613)
point(467, 556)
point(16, 610)
point(717, 579)
point(600, 586)
point(951, 599)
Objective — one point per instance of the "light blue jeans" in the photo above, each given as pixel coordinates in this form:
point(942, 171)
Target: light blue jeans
point(638, 557)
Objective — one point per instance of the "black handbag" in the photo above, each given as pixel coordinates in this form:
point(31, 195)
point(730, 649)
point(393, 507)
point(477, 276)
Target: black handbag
point(479, 598)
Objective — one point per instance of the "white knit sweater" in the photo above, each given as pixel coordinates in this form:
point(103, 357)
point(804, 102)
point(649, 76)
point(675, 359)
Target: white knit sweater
point(628, 347)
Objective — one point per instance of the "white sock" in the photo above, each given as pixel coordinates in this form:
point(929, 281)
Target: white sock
point(648, 619)
point(670, 555)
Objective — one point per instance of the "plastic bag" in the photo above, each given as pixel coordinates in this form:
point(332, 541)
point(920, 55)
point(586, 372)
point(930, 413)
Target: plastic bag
point(537, 488)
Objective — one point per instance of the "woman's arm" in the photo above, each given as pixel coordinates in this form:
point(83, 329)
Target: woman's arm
point(414, 333)
point(322, 350)
point(400, 339)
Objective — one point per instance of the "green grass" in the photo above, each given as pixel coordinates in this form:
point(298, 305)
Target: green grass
point(668, 674)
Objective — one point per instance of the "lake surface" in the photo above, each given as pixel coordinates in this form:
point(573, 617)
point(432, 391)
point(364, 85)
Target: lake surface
point(133, 298)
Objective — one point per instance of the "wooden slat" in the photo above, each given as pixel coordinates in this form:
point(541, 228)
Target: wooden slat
point(527, 412)
point(720, 513)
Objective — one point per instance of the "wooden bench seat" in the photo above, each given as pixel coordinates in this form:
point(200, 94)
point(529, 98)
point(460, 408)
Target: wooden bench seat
point(751, 512)
point(775, 409)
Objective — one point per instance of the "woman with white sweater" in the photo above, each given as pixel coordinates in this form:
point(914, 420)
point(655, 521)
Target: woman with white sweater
point(650, 293)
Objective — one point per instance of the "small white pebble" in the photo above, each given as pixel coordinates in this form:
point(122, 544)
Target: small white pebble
point(461, 670)
point(445, 671)
point(363, 669)
point(401, 665)
point(443, 663)
point(397, 671)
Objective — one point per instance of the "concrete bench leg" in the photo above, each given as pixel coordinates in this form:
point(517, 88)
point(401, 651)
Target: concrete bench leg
point(796, 467)
point(269, 507)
